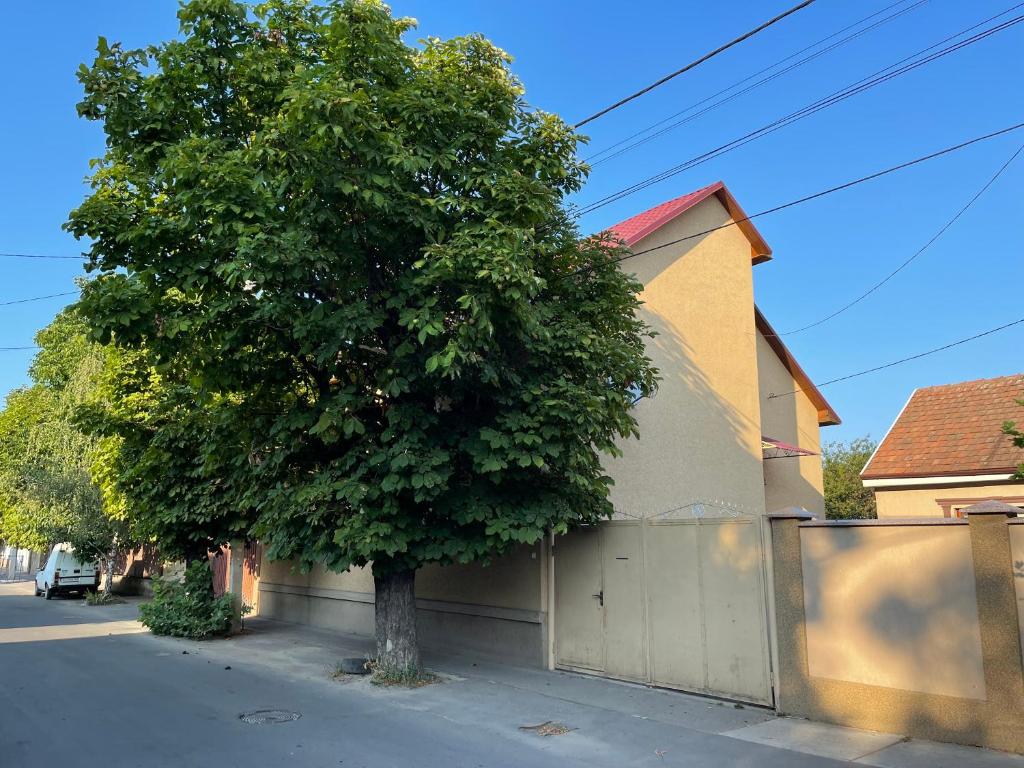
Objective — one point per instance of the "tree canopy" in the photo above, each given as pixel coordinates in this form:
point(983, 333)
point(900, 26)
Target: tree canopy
point(174, 463)
point(48, 492)
point(351, 257)
point(845, 494)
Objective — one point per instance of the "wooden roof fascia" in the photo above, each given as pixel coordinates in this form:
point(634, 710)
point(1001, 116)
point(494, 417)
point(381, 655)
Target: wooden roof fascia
point(827, 415)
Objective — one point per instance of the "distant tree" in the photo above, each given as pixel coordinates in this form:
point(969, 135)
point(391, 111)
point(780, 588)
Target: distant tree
point(353, 254)
point(178, 458)
point(845, 494)
point(21, 524)
point(1017, 437)
point(47, 490)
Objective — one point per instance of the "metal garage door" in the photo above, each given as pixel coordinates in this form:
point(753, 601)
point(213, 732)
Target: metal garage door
point(674, 602)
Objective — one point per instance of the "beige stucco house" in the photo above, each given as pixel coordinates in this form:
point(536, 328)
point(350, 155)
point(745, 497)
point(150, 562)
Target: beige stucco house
point(946, 450)
point(674, 590)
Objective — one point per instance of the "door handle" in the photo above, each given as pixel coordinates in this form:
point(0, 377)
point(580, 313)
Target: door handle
point(600, 597)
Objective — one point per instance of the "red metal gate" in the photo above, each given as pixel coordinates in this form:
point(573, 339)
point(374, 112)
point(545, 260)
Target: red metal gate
point(221, 562)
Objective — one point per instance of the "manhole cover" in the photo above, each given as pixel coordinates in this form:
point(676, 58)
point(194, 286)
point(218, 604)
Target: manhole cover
point(267, 716)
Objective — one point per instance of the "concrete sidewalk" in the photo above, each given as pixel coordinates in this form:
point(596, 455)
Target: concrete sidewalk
point(605, 715)
point(158, 702)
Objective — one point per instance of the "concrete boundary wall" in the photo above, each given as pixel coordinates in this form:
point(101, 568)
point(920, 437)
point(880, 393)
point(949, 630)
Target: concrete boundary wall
point(1017, 552)
point(515, 635)
point(945, 697)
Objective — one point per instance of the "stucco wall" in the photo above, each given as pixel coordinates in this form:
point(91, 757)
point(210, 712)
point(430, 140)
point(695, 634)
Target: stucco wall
point(795, 481)
point(285, 572)
point(701, 433)
point(893, 606)
point(881, 626)
point(513, 581)
point(923, 502)
point(497, 609)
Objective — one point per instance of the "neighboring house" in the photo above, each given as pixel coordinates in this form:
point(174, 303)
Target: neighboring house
point(946, 450)
point(16, 563)
point(673, 591)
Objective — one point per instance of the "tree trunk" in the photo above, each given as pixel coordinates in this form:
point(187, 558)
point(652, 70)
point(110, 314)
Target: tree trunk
point(107, 564)
point(398, 651)
point(108, 574)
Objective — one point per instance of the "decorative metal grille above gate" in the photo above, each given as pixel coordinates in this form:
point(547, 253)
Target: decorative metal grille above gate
point(699, 509)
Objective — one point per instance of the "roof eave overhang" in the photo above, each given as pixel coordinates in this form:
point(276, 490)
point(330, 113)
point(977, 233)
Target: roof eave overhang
point(939, 478)
point(760, 251)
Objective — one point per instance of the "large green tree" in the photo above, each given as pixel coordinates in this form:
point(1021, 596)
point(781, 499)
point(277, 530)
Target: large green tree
point(355, 255)
point(48, 492)
point(845, 494)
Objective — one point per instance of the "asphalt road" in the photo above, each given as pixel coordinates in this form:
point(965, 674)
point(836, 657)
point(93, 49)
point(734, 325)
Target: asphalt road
point(73, 694)
point(87, 686)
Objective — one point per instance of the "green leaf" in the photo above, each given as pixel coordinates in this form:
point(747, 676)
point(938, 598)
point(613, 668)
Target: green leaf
point(352, 317)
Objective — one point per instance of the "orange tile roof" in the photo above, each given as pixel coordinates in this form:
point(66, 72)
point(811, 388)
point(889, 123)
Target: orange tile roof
point(953, 429)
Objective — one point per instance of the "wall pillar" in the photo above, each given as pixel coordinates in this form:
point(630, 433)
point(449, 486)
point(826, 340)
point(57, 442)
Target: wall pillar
point(992, 719)
point(236, 563)
point(792, 685)
point(997, 603)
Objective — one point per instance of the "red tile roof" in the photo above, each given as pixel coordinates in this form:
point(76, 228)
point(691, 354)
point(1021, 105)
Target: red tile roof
point(953, 429)
point(636, 228)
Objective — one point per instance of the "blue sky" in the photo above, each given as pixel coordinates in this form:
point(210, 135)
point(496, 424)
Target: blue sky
point(576, 57)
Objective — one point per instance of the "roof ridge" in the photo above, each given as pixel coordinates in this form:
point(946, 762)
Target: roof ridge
point(972, 381)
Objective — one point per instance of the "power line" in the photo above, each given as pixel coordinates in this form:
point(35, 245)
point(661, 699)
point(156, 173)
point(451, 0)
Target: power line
point(38, 256)
point(14, 349)
point(823, 193)
point(594, 162)
point(906, 359)
point(695, 63)
point(38, 298)
point(921, 250)
point(856, 88)
point(860, 86)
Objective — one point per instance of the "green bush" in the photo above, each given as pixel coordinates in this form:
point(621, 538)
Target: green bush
point(187, 609)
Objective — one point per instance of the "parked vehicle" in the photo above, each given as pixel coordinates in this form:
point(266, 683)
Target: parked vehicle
point(65, 574)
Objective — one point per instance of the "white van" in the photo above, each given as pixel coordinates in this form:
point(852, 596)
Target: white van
point(64, 573)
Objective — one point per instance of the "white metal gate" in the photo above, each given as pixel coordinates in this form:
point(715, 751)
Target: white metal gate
point(676, 601)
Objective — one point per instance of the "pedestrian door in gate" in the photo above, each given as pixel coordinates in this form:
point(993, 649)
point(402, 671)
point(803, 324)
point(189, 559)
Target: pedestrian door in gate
point(674, 602)
point(599, 601)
